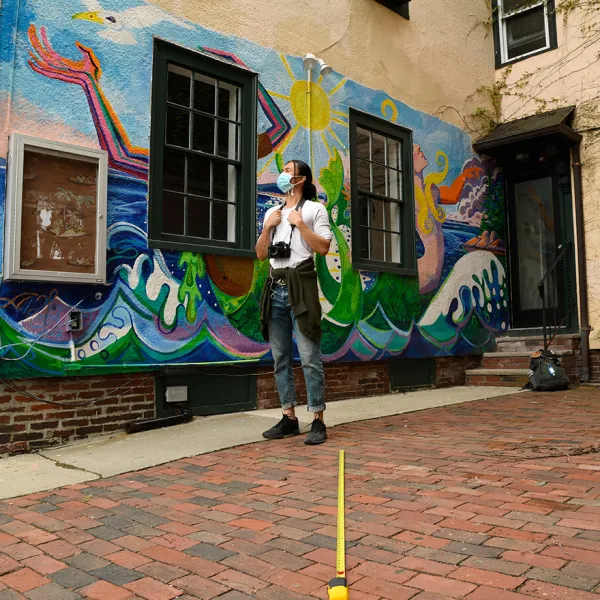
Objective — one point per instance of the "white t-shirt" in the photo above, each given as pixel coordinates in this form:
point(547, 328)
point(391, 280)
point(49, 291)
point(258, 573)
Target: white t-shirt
point(315, 216)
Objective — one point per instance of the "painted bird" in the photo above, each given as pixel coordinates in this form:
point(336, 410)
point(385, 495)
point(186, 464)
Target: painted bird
point(118, 24)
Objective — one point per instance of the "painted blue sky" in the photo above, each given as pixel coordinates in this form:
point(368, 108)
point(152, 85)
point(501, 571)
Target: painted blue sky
point(127, 79)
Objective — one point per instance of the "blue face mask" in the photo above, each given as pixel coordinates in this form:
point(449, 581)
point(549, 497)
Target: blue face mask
point(284, 182)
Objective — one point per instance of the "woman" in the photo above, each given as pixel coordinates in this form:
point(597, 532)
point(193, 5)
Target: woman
point(291, 234)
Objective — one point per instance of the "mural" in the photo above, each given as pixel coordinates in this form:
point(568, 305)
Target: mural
point(86, 77)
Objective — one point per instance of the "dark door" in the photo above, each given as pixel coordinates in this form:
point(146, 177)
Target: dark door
point(535, 242)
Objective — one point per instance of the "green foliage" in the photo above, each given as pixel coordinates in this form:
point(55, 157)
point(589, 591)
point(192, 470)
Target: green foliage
point(195, 270)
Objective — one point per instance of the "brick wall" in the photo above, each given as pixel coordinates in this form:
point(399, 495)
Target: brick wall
point(27, 424)
point(342, 381)
point(450, 370)
point(595, 365)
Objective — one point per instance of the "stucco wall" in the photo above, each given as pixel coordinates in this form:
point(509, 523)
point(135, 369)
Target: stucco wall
point(569, 75)
point(84, 81)
point(436, 59)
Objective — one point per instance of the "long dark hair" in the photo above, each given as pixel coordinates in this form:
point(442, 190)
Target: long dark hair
point(301, 169)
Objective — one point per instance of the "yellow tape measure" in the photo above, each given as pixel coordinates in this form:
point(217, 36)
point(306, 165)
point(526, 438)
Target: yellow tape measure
point(338, 587)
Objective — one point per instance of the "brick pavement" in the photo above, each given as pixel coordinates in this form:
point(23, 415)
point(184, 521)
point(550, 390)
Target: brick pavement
point(487, 500)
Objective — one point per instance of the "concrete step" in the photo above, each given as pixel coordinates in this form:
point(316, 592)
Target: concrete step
point(507, 377)
point(532, 343)
point(513, 360)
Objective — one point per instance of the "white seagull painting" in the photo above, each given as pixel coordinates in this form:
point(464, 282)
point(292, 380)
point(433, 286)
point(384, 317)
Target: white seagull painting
point(118, 24)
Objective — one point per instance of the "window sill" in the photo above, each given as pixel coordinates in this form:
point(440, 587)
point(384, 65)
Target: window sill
point(508, 63)
point(385, 268)
point(201, 249)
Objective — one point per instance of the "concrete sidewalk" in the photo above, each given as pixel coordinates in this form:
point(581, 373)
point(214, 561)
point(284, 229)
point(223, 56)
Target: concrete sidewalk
point(114, 455)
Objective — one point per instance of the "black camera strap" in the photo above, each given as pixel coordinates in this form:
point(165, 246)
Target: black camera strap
point(298, 207)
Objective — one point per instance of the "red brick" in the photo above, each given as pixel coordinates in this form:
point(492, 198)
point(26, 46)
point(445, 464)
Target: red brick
point(102, 590)
point(535, 560)
point(240, 581)
point(44, 564)
point(386, 572)
point(60, 549)
point(567, 554)
point(517, 534)
point(7, 565)
point(24, 580)
point(439, 585)
point(422, 540)
point(254, 524)
point(487, 593)
point(295, 582)
point(127, 559)
point(382, 589)
point(422, 565)
point(549, 591)
point(153, 590)
point(489, 578)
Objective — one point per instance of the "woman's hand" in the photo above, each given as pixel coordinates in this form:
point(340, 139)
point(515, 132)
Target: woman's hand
point(273, 220)
point(295, 218)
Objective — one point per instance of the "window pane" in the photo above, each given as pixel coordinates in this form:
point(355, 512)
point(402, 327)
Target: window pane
point(223, 222)
point(394, 184)
point(364, 175)
point(362, 143)
point(174, 170)
point(204, 134)
point(377, 214)
point(378, 148)
point(179, 85)
point(379, 179)
point(392, 216)
point(526, 32)
point(512, 5)
point(227, 139)
point(363, 210)
point(224, 181)
point(198, 175)
point(393, 248)
point(394, 159)
point(199, 218)
point(363, 242)
point(228, 101)
point(178, 127)
point(377, 245)
point(204, 93)
point(172, 213)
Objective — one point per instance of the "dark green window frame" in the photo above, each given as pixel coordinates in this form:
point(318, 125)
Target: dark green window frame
point(165, 54)
point(398, 6)
point(407, 265)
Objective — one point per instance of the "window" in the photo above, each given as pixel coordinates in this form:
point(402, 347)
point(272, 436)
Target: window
point(398, 6)
point(383, 215)
point(523, 28)
point(203, 153)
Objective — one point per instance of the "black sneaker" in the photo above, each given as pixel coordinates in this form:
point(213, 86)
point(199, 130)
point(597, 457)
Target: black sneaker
point(284, 428)
point(317, 434)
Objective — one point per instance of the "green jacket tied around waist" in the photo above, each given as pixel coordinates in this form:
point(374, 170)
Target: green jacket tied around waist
point(303, 295)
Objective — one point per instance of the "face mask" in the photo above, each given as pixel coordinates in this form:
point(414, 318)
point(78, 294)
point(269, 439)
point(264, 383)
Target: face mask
point(284, 182)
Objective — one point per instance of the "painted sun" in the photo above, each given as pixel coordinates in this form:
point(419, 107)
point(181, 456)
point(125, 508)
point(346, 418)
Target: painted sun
point(325, 115)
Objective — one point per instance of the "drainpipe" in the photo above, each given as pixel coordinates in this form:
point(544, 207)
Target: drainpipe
point(584, 323)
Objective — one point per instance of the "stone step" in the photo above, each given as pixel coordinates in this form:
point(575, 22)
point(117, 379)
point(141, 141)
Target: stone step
point(513, 360)
point(533, 343)
point(506, 377)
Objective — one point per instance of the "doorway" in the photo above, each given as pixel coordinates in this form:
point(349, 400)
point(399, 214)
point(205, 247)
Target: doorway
point(540, 240)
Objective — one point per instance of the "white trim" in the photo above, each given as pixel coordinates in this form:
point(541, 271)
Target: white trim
point(502, 18)
point(14, 206)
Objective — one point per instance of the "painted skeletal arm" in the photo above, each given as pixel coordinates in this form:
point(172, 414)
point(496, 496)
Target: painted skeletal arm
point(113, 138)
point(451, 194)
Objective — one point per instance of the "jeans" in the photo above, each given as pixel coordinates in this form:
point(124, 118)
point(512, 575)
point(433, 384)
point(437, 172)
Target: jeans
point(281, 326)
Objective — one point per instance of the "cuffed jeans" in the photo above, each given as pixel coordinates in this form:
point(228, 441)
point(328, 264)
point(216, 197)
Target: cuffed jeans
point(281, 325)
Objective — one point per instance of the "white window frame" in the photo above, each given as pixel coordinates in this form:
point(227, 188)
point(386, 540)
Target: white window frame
point(503, 17)
point(14, 210)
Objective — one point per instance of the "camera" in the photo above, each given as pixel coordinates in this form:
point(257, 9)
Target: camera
point(280, 250)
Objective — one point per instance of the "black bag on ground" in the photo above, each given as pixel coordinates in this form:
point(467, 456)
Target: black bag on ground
point(546, 374)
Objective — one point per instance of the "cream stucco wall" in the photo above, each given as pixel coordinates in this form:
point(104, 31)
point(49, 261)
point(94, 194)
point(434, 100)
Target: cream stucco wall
point(569, 75)
point(434, 60)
